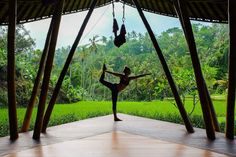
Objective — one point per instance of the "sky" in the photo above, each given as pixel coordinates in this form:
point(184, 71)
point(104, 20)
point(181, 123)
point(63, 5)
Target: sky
point(100, 24)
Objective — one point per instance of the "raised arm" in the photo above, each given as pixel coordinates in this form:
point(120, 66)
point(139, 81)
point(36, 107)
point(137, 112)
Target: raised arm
point(115, 74)
point(138, 76)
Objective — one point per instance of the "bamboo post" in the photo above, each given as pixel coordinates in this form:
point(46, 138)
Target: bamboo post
point(12, 113)
point(185, 22)
point(44, 89)
point(65, 68)
point(31, 103)
point(211, 106)
point(231, 71)
point(166, 69)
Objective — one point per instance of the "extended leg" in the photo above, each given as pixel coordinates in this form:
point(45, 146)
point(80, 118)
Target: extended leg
point(105, 83)
point(114, 101)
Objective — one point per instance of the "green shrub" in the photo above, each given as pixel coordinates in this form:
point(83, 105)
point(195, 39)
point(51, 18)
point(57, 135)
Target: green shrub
point(63, 119)
point(3, 97)
point(23, 92)
point(4, 129)
point(222, 127)
point(197, 121)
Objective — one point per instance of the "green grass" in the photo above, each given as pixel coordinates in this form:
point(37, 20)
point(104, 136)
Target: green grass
point(163, 110)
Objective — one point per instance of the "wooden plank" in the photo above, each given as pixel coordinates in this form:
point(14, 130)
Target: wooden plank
point(151, 128)
point(39, 9)
point(67, 3)
point(117, 144)
point(82, 5)
point(73, 4)
point(166, 70)
point(44, 89)
point(11, 87)
point(155, 5)
point(65, 68)
point(29, 11)
point(231, 71)
point(5, 14)
point(202, 89)
point(21, 9)
point(77, 6)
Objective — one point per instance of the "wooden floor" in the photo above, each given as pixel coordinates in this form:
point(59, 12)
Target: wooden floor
point(132, 137)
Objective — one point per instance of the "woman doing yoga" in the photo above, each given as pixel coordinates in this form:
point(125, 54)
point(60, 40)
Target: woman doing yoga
point(116, 88)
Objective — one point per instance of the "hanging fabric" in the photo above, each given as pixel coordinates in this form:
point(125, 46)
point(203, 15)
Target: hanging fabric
point(119, 39)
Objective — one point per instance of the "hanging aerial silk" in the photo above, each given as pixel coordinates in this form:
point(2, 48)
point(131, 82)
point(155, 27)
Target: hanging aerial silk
point(119, 39)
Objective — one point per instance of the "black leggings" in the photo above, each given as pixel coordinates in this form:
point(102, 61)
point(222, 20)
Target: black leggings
point(113, 88)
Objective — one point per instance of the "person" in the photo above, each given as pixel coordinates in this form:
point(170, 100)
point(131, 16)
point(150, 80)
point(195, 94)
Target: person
point(116, 88)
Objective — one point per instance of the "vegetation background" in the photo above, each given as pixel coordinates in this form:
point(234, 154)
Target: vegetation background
point(81, 82)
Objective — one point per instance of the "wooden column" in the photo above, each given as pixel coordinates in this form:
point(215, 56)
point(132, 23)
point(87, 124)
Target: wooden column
point(48, 67)
point(65, 68)
point(31, 103)
point(12, 113)
point(166, 69)
point(231, 71)
point(202, 89)
point(210, 104)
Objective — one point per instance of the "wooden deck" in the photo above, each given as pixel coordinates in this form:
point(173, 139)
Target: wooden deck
point(132, 137)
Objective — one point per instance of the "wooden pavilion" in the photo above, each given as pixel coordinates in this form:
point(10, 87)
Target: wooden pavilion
point(13, 12)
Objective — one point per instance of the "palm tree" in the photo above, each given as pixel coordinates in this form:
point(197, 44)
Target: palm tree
point(93, 43)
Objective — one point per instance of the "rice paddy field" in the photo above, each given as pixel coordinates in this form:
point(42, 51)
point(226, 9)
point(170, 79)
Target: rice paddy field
point(161, 110)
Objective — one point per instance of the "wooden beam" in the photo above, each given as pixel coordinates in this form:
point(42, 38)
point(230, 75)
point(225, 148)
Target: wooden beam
point(66, 66)
point(44, 89)
point(11, 45)
point(185, 22)
point(31, 103)
point(231, 71)
point(166, 70)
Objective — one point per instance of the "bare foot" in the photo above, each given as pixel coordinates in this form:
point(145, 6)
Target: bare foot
point(117, 119)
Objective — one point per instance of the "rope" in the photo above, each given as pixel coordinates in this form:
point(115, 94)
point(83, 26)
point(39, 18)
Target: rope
point(123, 19)
point(113, 9)
point(95, 23)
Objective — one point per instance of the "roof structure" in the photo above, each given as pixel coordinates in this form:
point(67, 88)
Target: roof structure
point(201, 10)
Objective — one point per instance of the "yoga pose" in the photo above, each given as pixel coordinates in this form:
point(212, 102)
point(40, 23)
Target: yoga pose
point(116, 88)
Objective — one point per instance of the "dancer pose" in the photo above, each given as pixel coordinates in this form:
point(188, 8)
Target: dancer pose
point(116, 88)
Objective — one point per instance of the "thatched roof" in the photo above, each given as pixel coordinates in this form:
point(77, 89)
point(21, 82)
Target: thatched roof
point(201, 10)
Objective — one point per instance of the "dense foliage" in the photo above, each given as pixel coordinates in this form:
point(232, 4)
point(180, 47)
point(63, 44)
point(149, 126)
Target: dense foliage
point(81, 81)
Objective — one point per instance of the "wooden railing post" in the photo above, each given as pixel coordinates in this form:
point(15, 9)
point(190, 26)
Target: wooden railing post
point(12, 114)
point(65, 68)
point(231, 70)
point(44, 90)
point(202, 89)
point(166, 70)
point(31, 103)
